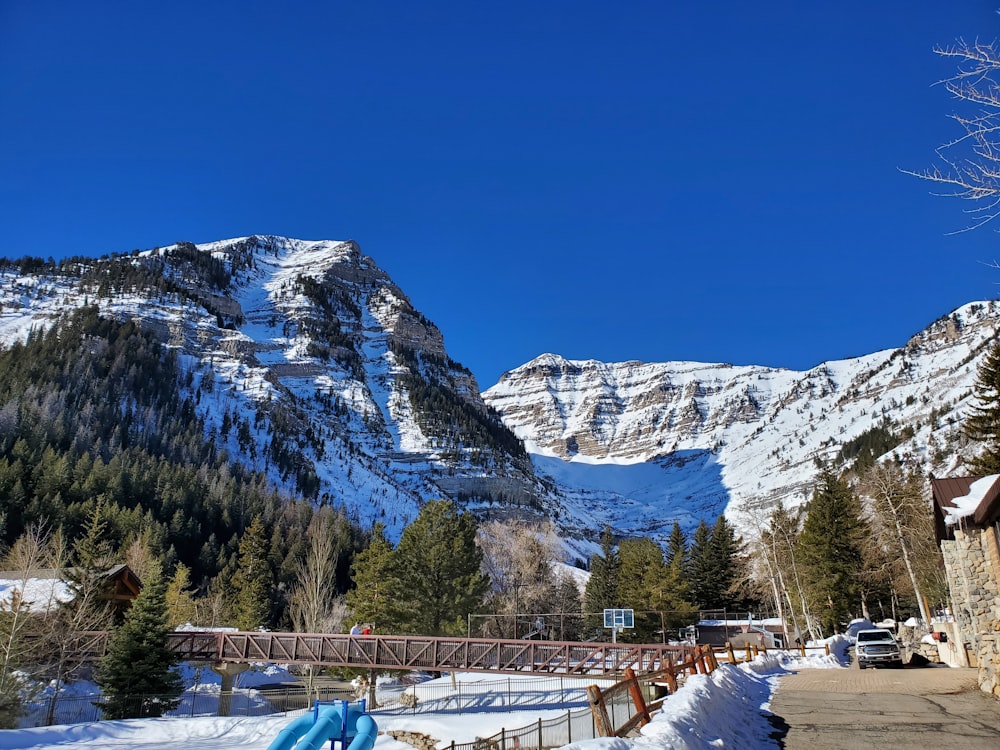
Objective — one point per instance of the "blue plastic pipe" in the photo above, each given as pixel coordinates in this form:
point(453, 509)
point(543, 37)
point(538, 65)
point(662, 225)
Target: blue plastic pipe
point(328, 726)
point(288, 736)
point(367, 734)
point(329, 722)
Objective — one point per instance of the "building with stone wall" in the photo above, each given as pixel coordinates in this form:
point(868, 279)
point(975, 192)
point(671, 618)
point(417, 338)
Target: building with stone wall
point(967, 524)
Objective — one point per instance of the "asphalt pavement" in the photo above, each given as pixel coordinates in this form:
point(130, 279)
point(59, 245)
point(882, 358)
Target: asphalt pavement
point(934, 707)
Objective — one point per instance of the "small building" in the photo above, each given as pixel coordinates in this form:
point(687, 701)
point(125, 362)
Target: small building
point(967, 528)
point(45, 588)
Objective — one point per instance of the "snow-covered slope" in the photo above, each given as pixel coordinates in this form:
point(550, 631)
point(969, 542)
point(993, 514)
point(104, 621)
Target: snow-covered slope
point(654, 443)
point(304, 344)
point(307, 362)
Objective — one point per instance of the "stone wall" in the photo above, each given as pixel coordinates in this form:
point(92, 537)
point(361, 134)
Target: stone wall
point(989, 664)
point(414, 739)
point(972, 564)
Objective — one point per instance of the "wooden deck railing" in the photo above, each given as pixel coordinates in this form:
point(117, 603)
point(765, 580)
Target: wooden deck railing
point(701, 660)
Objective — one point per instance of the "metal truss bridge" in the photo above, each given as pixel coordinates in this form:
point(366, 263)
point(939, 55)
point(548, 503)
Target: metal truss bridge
point(399, 652)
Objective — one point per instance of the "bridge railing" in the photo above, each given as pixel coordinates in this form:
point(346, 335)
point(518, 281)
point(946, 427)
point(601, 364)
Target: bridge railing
point(429, 653)
point(399, 652)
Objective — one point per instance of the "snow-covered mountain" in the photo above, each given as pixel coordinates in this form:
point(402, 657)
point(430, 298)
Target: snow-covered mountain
point(310, 364)
point(687, 439)
point(344, 392)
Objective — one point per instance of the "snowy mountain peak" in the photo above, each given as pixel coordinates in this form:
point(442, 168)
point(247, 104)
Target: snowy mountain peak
point(724, 435)
point(307, 363)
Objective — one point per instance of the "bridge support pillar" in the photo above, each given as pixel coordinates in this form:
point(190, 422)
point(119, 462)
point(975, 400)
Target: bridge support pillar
point(370, 702)
point(227, 670)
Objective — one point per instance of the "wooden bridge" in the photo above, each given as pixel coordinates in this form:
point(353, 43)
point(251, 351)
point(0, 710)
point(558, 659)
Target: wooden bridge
point(399, 652)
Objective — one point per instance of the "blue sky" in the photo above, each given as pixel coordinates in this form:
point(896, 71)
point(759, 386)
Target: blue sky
point(650, 180)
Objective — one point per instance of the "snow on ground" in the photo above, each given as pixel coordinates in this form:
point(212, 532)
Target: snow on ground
point(726, 709)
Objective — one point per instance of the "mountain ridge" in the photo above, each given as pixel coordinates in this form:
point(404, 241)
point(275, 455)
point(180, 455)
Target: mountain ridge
point(768, 429)
point(345, 393)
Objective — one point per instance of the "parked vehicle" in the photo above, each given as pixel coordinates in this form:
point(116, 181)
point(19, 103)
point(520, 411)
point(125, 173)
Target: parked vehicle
point(877, 646)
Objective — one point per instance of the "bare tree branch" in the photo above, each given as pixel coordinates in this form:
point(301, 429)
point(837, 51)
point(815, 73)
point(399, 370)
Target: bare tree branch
point(970, 163)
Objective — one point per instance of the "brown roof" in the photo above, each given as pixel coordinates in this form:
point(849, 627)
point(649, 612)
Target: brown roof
point(988, 511)
point(944, 492)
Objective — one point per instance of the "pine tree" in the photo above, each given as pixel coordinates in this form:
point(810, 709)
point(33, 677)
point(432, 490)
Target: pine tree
point(137, 674)
point(252, 582)
point(602, 586)
point(829, 552)
point(676, 554)
point(93, 554)
point(983, 423)
point(567, 602)
point(699, 568)
point(376, 587)
point(652, 588)
point(724, 551)
point(180, 602)
point(438, 565)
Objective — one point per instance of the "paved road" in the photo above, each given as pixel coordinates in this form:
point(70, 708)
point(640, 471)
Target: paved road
point(884, 709)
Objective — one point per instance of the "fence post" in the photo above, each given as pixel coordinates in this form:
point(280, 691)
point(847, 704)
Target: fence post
point(539, 733)
point(569, 727)
point(730, 653)
point(508, 692)
point(599, 711)
point(636, 692)
point(671, 678)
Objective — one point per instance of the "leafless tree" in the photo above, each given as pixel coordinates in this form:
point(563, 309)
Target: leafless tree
point(25, 558)
point(313, 600)
point(763, 575)
point(969, 164)
point(210, 609)
point(518, 558)
point(34, 631)
point(139, 555)
point(314, 604)
point(901, 521)
point(87, 611)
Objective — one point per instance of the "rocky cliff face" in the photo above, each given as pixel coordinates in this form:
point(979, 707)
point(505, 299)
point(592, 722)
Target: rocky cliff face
point(766, 430)
point(343, 392)
point(337, 387)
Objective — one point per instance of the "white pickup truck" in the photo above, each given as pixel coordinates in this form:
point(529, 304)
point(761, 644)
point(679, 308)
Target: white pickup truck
point(877, 646)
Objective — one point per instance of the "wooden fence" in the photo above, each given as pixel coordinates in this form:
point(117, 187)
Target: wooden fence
point(703, 660)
